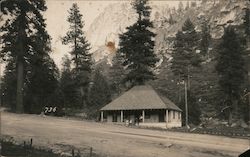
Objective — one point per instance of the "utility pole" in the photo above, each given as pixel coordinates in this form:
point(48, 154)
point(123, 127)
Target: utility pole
point(0, 108)
point(248, 73)
point(186, 104)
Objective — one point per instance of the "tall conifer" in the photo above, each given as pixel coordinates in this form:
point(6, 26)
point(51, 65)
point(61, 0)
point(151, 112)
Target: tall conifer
point(26, 41)
point(137, 46)
point(79, 52)
point(230, 68)
point(184, 54)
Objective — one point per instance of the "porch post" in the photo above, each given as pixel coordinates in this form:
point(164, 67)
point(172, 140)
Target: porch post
point(143, 115)
point(121, 116)
point(101, 116)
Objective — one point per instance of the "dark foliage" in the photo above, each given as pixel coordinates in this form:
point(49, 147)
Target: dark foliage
point(70, 97)
point(99, 94)
point(194, 111)
point(231, 69)
point(116, 74)
point(26, 47)
point(137, 46)
point(184, 54)
point(8, 85)
point(80, 54)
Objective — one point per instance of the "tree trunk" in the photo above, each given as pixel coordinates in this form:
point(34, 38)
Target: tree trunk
point(19, 98)
point(232, 111)
point(236, 113)
point(20, 66)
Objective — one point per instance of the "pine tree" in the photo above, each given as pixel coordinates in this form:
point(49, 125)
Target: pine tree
point(230, 68)
point(80, 52)
point(25, 40)
point(180, 60)
point(205, 39)
point(99, 94)
point(67, 86)
point(137, 46)
point(184, 54)
point(116, 74)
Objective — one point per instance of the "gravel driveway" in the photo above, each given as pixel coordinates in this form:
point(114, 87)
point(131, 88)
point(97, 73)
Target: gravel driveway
point(60, 134)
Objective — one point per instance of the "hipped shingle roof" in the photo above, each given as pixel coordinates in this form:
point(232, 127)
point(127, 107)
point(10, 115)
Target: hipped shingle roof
point(141, 97)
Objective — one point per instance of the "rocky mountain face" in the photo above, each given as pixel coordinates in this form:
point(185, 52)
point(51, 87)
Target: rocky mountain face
point(107, 27)
point(219, 14)
point(167, 20)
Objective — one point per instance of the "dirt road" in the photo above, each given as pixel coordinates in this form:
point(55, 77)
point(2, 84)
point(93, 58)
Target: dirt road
point(117, 141)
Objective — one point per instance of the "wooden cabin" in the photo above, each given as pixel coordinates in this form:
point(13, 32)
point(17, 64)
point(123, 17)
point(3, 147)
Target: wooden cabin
point(143, 106)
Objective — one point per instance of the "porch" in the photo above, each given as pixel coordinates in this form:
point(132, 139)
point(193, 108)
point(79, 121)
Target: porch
point(149, 117)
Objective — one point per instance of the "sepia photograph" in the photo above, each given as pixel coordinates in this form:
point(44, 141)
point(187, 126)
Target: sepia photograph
point(124, 78)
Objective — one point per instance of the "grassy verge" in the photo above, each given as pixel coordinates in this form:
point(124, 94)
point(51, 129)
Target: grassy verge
point(10, 149)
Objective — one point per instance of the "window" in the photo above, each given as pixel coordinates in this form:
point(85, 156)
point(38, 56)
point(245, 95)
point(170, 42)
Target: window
point(173, 114)
point(179, 115)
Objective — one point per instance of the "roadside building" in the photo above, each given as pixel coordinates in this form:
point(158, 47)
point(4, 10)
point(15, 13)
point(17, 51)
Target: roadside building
point(142, 105)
